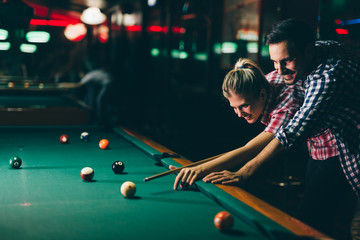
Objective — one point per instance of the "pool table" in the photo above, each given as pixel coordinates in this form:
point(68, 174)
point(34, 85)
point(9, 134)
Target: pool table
point(47, 199)
point(42, 108)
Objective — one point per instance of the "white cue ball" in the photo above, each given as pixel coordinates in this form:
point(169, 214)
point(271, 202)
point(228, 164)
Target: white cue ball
point(128, 189)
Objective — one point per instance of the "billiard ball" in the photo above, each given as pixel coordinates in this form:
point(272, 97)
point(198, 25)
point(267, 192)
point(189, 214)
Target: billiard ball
point(128, 189)
point(11, 84)
point(223, 221)
point(41, 85)
point(87, 174)
point(64, 138)
point(15, 162)
point(118, 167)
point(104, 143)
point(84, 136)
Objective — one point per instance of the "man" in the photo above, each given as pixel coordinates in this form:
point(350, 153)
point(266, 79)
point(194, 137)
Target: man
point(329, 120)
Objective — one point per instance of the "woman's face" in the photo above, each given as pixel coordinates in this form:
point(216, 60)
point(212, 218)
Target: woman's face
point(248, 107)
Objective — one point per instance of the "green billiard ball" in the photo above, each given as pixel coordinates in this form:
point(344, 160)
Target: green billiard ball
point(15, 162)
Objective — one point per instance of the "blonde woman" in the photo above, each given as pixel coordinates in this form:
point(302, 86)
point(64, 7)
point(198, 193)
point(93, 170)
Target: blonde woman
point(252, 96)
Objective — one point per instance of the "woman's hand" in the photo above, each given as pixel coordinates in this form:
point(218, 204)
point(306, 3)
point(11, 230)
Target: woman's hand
point(187, 176)
point(227, 177)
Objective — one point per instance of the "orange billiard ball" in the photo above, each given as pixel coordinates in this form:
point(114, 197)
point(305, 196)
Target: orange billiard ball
point(223, 221)
point(104, 143)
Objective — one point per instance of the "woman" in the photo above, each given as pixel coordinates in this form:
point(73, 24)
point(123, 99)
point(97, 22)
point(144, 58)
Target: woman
point(251, 96)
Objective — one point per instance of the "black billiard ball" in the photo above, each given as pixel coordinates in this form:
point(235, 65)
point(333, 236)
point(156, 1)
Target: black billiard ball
point(118, 167)
point(15, 162)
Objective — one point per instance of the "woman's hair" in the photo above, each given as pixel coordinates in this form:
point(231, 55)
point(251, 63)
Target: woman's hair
point(246, 78)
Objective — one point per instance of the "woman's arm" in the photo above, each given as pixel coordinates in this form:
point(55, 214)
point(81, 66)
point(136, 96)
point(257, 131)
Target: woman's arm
point(229, 160)
point(249, 169)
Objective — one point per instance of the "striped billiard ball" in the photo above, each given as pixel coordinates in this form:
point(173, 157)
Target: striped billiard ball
point(87, 174)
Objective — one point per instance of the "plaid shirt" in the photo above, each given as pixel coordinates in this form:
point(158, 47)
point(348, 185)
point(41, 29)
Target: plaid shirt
point(282, 103)
point(331, 101)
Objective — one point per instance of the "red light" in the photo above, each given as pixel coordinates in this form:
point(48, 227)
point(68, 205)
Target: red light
point(155, 29)
point(59, 23)
point(38, 22)
point(178, 30)
point(342, 31)
point(43, 22)
point(134, 28)
point(337, 21)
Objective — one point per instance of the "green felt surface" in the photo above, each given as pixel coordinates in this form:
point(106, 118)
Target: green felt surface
point(47, 199)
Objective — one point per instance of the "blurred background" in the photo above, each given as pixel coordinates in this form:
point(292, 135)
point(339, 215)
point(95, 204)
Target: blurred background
point(152, 65)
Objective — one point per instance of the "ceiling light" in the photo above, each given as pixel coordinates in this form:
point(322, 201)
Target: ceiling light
point(38, 36)
point(28, 48)
point(3, 34)
point(4, 46)
point(75, 32)
point(92, 16)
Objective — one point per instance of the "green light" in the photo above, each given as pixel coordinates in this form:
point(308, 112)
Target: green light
point(217, 48)
point(183, 55)
point(265, 51)
point(28, 48)
point(179, 54)
point(38, 37)
point(3, 34)
point(4, 46)
point(229, 47)
point(155, 52)
point(252, 47)
point(200, 56)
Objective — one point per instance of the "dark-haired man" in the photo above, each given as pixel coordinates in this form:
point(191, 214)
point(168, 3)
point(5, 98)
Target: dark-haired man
point(329, 120)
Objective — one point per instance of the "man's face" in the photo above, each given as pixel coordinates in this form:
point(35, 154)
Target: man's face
point(284, 63)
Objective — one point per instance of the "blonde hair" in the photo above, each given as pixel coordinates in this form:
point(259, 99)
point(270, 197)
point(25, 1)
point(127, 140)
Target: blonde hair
point(246, 78)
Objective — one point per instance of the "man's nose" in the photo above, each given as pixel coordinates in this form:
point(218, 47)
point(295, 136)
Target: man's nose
point(279, 68)
point(238, 113)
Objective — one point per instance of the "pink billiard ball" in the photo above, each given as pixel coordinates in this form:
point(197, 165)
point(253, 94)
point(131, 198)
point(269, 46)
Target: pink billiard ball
point(87, 174)
point(64, 138)
point(223, 221)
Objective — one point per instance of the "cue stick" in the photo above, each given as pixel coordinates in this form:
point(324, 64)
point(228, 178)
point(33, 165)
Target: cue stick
point(179, 168)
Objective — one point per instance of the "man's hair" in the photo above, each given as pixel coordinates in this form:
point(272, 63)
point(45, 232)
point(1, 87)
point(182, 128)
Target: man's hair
point(297, 33)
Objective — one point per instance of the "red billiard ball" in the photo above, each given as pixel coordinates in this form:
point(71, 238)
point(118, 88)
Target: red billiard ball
point(104, 143)
point(128, 189)
point(87, 174)
point(118, 167)
point(64, 138)
point(15, 162)
point(223, 221)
